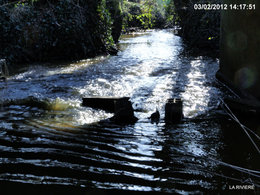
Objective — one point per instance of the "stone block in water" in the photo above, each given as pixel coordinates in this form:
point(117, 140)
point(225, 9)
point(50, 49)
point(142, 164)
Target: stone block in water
point(124, 112)
point(121, 106)
point(105, 103)
point(173, 110)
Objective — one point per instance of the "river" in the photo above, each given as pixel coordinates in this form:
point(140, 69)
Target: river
point(48, 139)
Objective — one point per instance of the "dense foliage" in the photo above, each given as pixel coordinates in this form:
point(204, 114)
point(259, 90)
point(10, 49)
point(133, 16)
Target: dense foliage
point(39, 30)
point(114, 7)
point(145, 13)
point(200, 28)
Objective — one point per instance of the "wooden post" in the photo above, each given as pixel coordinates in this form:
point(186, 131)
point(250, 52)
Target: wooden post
point(173, 110)
point(3, 70)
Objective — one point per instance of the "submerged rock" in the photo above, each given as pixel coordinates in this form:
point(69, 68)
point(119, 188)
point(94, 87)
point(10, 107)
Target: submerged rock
point(121, 106)
point(30, 101)
point(124, 113)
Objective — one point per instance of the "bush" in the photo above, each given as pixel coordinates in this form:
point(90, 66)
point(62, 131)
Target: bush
point(52, 30)
point(200, 28)
point(144, 14)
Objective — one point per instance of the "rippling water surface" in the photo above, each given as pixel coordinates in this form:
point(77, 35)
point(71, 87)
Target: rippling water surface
point(48, 139)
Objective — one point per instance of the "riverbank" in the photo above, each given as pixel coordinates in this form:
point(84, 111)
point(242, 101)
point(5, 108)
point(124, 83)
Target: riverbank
point(200, 29)
point(40, 31)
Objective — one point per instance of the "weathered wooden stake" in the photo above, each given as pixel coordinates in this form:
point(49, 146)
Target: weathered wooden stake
point(3, 70)
point(173, 110)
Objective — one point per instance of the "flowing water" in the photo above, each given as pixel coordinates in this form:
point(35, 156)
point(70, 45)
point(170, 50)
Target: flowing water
point(48, 139)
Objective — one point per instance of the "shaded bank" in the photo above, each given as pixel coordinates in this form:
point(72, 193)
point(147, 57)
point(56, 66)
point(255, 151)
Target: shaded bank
point(54, 30)
point(199, 28)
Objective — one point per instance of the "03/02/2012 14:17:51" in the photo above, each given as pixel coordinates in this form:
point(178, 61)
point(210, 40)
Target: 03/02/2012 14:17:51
point(209, 6)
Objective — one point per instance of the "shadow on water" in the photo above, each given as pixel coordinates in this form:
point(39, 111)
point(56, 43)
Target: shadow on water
point(58, 145)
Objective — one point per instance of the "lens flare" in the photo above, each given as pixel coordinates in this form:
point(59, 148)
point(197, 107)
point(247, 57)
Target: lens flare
point(245, 77)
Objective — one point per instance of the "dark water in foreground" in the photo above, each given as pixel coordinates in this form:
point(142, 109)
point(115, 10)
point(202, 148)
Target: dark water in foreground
point(56, 144)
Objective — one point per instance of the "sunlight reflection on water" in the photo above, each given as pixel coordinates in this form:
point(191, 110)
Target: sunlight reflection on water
point(143, 156)
point(197, 93)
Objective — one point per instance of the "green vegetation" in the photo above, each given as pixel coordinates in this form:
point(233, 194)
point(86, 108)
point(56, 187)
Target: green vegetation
point(199, 28)
point(38, 30)
point(145, 13)
point(115, 10)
